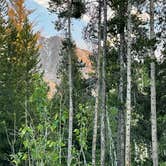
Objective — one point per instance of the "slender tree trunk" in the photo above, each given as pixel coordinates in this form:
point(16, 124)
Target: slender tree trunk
point(121, 117)
point(26, 115)
point(97, 91)
point(84, 157)
point(103, 100)
point(128, 98)
point(153, 91)
point(112, 151)
point(60, 130)
point(69, 156)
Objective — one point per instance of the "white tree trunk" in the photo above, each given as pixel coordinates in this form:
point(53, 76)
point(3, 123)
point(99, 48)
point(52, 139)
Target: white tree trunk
point(112, 150)
point(98, 74)
point(128, 98)
point(60, 129)
point(121, 117)
point(153, 91)
point(103, 100)
point(69, 156)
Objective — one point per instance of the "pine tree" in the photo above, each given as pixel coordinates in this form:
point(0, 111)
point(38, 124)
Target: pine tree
point(3, 71)
point(26, 49)
point(19, 66)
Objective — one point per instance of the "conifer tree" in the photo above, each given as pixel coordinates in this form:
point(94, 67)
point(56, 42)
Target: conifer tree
point(26, 49)
point(19, 66)
point(3, 75)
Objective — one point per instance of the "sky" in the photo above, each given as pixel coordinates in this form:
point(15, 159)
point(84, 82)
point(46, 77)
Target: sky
point(44, 22)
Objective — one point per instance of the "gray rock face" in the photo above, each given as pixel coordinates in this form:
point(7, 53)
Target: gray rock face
point(49, 57)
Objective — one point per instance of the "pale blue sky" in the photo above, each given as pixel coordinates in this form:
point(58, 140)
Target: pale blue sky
point(43, 22)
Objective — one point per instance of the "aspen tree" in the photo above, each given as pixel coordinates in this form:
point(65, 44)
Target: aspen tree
point(121, 115)
point(128, 98)
point(98, 74)
point(153, 90)
point(103, 100)
point(69, 155)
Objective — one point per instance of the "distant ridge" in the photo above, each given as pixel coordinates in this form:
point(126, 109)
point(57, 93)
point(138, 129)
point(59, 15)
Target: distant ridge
point(50, 60)
point(49, 57)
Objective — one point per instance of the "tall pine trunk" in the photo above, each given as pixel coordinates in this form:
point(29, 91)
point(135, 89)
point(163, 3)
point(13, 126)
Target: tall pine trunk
point(128, 97)
point(103, 100)
point(70, 132)
point(98, 75)
point(153, 91)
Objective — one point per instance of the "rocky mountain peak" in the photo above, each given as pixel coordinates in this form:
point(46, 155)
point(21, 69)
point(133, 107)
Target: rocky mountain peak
point(50, 60)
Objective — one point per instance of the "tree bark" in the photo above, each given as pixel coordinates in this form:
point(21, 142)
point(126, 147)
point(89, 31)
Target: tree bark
point(153, 91)
point(98, 74)
point(60, 128)
point(121, 114)
point(112, 150)
point(121, 117)
point(103, 100)
point(69, 156)
point(128, 97)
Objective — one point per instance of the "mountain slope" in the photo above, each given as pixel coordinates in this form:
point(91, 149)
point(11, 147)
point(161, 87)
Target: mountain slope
point(50, 61)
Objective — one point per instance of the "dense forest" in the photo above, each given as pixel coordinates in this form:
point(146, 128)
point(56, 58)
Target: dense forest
point(115, 116)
